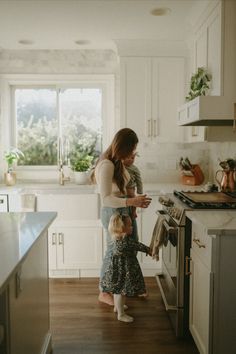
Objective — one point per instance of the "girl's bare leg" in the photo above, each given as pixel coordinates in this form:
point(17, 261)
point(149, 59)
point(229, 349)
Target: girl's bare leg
point(119, 301)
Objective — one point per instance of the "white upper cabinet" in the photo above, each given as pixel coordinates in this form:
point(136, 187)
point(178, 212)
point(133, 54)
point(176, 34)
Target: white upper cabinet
point(214, 49)
point(151, 91)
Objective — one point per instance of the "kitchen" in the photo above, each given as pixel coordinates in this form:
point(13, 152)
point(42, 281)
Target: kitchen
point(145, 72)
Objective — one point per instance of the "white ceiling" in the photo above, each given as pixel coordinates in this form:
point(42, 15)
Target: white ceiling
point(57, 24)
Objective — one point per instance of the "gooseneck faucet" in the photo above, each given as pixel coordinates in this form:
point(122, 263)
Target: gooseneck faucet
point(62, 178)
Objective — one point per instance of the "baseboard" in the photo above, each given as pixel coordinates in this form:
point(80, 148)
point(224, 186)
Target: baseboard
point(47, 345)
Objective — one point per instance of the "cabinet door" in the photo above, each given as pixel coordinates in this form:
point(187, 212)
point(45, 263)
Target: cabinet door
point(136, 95)
point(167, 96)
point(148, 221)
point(29, 302)
point(79, 247)
point(151, 91)
point(199, 307)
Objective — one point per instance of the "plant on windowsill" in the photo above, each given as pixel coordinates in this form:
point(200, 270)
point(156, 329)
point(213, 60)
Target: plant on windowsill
point(11, 156)
point(199, 84)
point(81, 165)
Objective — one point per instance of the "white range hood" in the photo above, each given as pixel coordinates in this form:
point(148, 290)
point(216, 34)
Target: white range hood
point(208, 111)
point(215, 39)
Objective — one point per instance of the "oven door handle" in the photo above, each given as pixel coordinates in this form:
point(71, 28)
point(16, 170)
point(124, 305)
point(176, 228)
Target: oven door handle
point(167, 306)
point(171, 229)
point(168, 227)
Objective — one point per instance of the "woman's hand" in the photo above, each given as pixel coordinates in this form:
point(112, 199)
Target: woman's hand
point(141, 201)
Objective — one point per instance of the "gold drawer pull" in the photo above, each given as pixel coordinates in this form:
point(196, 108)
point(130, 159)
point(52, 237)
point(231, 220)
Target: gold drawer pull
point(197, 241)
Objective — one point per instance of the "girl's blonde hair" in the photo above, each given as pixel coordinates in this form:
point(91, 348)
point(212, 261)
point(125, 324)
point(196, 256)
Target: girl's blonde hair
point(116, 225)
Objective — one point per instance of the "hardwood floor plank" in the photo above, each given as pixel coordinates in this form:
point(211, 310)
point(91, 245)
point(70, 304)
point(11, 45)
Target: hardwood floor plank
point(82, 325)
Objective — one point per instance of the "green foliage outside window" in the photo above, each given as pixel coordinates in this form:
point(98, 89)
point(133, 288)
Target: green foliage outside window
point(38, 130)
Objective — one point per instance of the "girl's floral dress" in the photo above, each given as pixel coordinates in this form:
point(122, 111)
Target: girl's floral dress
point(123, 274)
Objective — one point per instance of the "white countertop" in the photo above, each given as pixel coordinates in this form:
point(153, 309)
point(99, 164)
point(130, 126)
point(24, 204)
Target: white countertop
point(215, 221)
point(72, 188)
point(18, 232)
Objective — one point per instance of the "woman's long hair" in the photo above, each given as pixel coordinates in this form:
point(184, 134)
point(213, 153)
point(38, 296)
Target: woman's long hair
point(122, 146)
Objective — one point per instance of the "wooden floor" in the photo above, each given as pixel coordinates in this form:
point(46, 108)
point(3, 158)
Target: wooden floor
point(82, 325)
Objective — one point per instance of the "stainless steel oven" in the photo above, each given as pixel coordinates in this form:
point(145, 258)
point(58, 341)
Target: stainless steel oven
point(173, 283)
point(174, 279)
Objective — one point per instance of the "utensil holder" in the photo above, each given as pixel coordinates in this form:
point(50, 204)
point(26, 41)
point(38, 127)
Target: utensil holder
point(196, 179)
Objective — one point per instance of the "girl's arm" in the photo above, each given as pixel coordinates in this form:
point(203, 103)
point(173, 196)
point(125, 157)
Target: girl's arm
point(138, 246)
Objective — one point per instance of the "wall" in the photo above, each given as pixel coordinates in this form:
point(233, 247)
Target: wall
point(218, 152)
point(158, 162)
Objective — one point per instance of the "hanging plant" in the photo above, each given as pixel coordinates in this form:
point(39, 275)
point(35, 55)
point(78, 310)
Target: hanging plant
point(199, 84)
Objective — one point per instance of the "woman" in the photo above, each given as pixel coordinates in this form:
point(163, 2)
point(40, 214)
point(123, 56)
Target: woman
point(112, 178)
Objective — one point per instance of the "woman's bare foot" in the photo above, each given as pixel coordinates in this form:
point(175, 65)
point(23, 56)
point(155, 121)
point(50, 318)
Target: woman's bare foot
point(106, 298)
point(144, 295)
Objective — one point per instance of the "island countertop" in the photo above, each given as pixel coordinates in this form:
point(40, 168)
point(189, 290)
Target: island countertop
point(18, 233)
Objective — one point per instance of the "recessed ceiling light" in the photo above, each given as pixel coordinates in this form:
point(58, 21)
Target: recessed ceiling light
point(82, 42)
point(160, 11)
point(25, 41)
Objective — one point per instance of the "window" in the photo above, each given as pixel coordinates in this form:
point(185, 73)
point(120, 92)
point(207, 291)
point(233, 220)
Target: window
point(54, 116)
point(44, 114)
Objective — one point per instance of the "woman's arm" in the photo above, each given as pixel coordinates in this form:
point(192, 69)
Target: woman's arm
point(104, 175)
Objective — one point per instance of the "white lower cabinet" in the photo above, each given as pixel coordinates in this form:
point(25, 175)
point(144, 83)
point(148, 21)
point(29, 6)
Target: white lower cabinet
point(212, 310)
point(75, 250)
point(200, 306)
point(146, 221)
point(75, 241)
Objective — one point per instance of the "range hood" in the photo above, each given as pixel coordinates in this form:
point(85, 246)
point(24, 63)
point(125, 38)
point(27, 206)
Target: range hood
point(208, 111)
point(219, 108)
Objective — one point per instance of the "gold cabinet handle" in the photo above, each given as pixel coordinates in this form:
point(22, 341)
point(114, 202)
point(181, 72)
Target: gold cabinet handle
point(187, 261)
point(149, 128)
point(60, 238)
point(197, 241)
point(154, 127)
point(54, 238)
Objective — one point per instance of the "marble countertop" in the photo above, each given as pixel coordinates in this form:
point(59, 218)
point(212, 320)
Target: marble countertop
point(216, 222)
point(72, 188)
point(18, 232)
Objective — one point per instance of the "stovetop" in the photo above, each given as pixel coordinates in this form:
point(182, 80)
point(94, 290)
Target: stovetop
point(175, 205)
point(208, 200)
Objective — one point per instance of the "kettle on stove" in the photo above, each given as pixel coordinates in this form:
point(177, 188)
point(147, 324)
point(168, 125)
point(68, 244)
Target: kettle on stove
point(226, 180)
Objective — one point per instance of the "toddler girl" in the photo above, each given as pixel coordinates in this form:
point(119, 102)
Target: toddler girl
point(123, 276)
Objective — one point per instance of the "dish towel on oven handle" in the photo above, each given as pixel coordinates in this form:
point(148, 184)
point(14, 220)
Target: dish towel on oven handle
point(159, 237)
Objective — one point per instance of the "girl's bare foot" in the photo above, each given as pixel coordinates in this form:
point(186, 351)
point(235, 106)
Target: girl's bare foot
point(125, 318)
point(106, 298)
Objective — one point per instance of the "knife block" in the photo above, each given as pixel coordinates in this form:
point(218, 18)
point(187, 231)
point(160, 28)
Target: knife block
point(196, 179)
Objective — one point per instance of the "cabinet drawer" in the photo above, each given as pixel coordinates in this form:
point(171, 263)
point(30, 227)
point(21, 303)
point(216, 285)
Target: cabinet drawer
point(201, 243)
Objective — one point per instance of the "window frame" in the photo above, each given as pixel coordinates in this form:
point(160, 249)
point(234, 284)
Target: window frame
point(9, 83)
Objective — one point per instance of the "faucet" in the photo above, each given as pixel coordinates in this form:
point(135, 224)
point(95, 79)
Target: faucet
point(62, 178)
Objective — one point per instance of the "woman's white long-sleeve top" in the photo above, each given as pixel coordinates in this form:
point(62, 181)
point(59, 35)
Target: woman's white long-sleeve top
point(109, 192)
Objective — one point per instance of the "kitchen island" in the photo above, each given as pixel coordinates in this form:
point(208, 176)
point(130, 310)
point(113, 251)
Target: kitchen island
point(24, 296)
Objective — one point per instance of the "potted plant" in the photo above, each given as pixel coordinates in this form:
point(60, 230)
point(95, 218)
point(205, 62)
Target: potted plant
point(81, 166)
point(11, 156)
point(199, 84)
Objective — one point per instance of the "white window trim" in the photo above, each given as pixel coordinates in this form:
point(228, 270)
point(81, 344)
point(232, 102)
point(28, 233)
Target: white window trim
point(7, 126)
